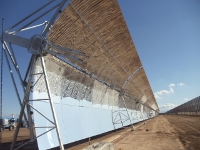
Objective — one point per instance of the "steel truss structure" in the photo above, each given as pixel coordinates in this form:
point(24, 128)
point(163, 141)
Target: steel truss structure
point(116, 115)
point(39, 46)
point(191, 107)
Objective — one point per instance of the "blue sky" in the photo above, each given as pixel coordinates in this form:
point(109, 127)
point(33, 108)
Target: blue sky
point(167, 38)
point(166, 34)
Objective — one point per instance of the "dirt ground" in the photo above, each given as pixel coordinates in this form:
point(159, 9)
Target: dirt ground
point(23, 136)
point(165, 132)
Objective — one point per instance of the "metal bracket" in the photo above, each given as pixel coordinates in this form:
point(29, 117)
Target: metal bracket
point(117, 114)
point(121, 93)
point(36, 44)
point(17, 40)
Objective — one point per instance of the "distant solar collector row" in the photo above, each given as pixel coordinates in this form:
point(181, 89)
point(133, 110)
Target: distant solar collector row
point(191, 107)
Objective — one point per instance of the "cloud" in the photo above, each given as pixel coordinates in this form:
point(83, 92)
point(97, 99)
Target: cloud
point(162, 92)
point(187, 99)
point(180, 84)
point(165, 107)
point(171, 85)
point(156, 96)
point(171, 90)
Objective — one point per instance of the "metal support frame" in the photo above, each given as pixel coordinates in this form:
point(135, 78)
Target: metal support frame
point(12, 57)
point(13, 80)
point(136, 116)
point(121, 93)
point(26, 103)
point(1, 90)
point(26, 98)
point(143, 92)
point(51, 103)
point(9, 37)
point(127, 113)
point(125, 83)
point(29, 15)
point(117, 115)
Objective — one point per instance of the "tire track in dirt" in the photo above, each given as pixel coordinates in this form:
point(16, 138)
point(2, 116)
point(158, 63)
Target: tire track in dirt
point(128, 133)
point(187, 129)
point(171, 130)
point(191, 124)
point(155, 134)
point(122, 139)
point(166, 132)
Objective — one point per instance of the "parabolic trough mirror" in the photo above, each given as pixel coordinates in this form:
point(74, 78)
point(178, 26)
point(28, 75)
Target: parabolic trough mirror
point(90, 71)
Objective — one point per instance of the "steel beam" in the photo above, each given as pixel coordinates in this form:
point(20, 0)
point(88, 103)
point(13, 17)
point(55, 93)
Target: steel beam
point(54, 17)
point(51, 103)
point(26, 97)
point(17, 40)
point(29, 15)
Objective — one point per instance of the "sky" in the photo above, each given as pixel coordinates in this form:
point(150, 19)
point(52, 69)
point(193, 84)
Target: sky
point(166, 34)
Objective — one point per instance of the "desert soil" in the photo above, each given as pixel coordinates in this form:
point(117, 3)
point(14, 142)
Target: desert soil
point(164, 132)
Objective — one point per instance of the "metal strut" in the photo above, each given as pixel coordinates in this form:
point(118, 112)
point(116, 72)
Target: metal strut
point(117, 119)
point(51, 103)
point(26, 102)
point(121, 94)
point(14, 83)
point(1, 82)
point(37, 51)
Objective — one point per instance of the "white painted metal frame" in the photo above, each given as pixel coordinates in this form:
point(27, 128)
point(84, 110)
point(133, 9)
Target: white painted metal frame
point(128, 117)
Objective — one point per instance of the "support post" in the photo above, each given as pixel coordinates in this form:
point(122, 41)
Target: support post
point(51, 103)
point(14, 83)
point(16, 90)
point(26, 97)
point(128, 114)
